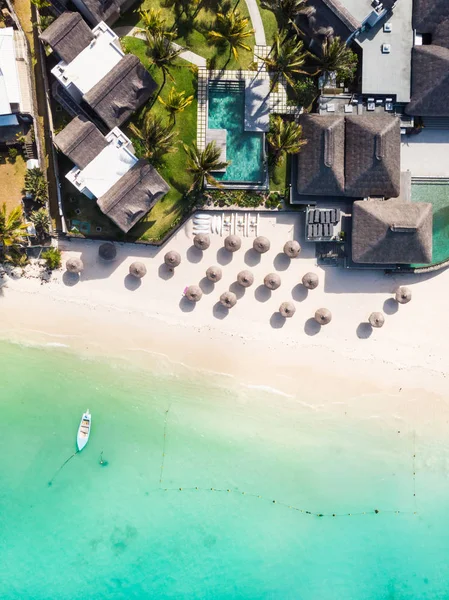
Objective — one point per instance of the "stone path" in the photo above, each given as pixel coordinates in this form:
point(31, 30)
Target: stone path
point(256, 19)
point(187, 55)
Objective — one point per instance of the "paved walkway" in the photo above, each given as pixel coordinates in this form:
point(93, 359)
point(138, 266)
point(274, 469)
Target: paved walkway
point(187, 55)
point(256, 19)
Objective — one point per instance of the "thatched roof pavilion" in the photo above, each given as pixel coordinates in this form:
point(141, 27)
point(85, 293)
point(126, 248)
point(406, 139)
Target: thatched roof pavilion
point(287, 309)
point(80, 141)
point(107, 251)
point(376, 319)
point(272, 281)
point(403, 295)
point(68, 35)
point(292, 249)
point(201, 241)
point(232, 243)
point(228, 299)
point(310, 281)
point(194, 293)
point(137, 269)
point(261, 244)
point(214, 274)
point(126, 88)
point(323, 316)
point(74, 265)
point(245, 278)
point(172, 259)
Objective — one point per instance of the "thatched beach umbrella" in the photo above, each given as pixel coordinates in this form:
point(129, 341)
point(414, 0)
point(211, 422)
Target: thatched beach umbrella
point(272, 281)
point(228, 299)
point(403, 295)
point(310, 281)
point(74, 265)
point(137, 269)
point(245, 278)
point(172, 259)
point(287, 309)
point(107, 251)
point(376, 319)
point(261, 244)
point(214, 274)
point(292, 249)
point(194, 293)
point(232, 243)
point(201, 241)
point(323, 316)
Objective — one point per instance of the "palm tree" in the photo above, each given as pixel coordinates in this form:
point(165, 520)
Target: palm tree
point(162, 54)
point(287, 11)
point(176, 102)
point(201, 163)
point(336, 57)
point(36, 186)
point(41, 222)
point(12, 228)
point(154, 23)
point(284, 137)
point(155, 137)
point(286, 58)
point(232, 28)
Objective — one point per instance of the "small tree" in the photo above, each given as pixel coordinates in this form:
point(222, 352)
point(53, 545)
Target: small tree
point(154, 23)
point(284, 137)
point(232, 28)
point(12, 154)
point(202, 163)
point(154, 137)
point(287, 11)
point(52, 257)
point(13, 230)
point(41, 221)
point(286, 58)
point(36, 185)
point(335, 56)
point(176, 102)
point(162, 54)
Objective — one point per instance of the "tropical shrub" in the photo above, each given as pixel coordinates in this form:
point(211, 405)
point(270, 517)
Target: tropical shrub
point(36, 185)
point(12, 153)
point(52, 257)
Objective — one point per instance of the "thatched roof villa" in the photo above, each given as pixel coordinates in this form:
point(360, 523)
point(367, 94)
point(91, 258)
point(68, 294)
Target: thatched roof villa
point(95, 11)
point(125, 187)
point(95, 72)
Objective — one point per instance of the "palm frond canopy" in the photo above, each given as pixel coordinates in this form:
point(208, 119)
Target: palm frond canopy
point(287, 57)
point(284, 137)
point(232, 28)
point(202, 163)
point(12, 228)
point(156, 138)
point(335, 56)
point(137, 269)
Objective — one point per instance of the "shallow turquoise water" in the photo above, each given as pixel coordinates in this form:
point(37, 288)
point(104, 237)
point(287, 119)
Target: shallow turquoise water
point(244, 149)
point(134, 530)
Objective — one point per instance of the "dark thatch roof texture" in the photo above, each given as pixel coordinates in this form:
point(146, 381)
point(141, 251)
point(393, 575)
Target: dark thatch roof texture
point(121, 92)
point(321, 162)
point(68, 35)
point(133, 195)
point(430, 82)
point(80, 141)
point(105, 10)
point(428, 14)
point(373, 156)
point(391, 232)
point(343, 14)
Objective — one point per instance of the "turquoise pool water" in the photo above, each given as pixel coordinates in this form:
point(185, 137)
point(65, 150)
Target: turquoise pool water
point(206, 490)
point(437, 193)
point(244, 149)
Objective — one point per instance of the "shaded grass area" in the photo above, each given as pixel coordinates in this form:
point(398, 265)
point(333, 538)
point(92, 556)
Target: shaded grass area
point(280, 175)
point(192, 31)
point(270, 24)
point(12, 179)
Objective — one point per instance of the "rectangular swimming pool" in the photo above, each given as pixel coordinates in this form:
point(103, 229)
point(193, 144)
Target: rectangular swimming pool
point(244, 149)
point(435, 191)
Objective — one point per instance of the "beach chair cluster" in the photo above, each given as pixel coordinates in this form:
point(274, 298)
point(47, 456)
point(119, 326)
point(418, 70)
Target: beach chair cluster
point(321, 223)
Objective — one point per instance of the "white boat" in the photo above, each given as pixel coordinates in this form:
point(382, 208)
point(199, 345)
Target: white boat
point(84, 430)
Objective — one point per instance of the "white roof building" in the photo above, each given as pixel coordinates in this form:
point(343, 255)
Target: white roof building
point(10, 91)
point(92, 64)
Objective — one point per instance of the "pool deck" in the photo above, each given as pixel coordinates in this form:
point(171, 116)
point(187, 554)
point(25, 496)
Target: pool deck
point(426, 154)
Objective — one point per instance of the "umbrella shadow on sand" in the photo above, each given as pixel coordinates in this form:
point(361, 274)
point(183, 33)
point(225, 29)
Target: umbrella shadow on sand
point(132, 283)
point(165, 272)
point(311, 327)
point(206, 285)
point(391, 306)
point(281, 262)
point(238, 290)
point(70, 279)
point(262, 293)
point(277, 321)
point(252, 258)
point(186, 305)
point(219, 311)
point(300, 292)
point(364, 331)
point(224, 257)
point(194, 254)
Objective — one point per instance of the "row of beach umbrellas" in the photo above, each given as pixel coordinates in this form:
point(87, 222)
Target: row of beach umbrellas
point(261, 244)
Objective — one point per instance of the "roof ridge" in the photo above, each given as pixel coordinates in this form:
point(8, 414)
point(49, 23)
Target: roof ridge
point(129, 58)
point(141, 164)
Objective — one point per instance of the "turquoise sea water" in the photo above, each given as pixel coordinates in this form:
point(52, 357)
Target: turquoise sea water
point(244, 149)
point(138, 528)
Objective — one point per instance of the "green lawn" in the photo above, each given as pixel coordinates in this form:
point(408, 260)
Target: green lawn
point(269, 23)
point(168, 210)
point(192, 33)
point(280, 176)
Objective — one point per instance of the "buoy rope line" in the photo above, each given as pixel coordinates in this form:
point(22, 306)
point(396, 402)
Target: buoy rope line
point(284, 504)
point(61, 467)
point(164, 446)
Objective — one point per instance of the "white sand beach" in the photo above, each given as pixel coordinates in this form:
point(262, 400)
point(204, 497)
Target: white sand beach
point(109, 312)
